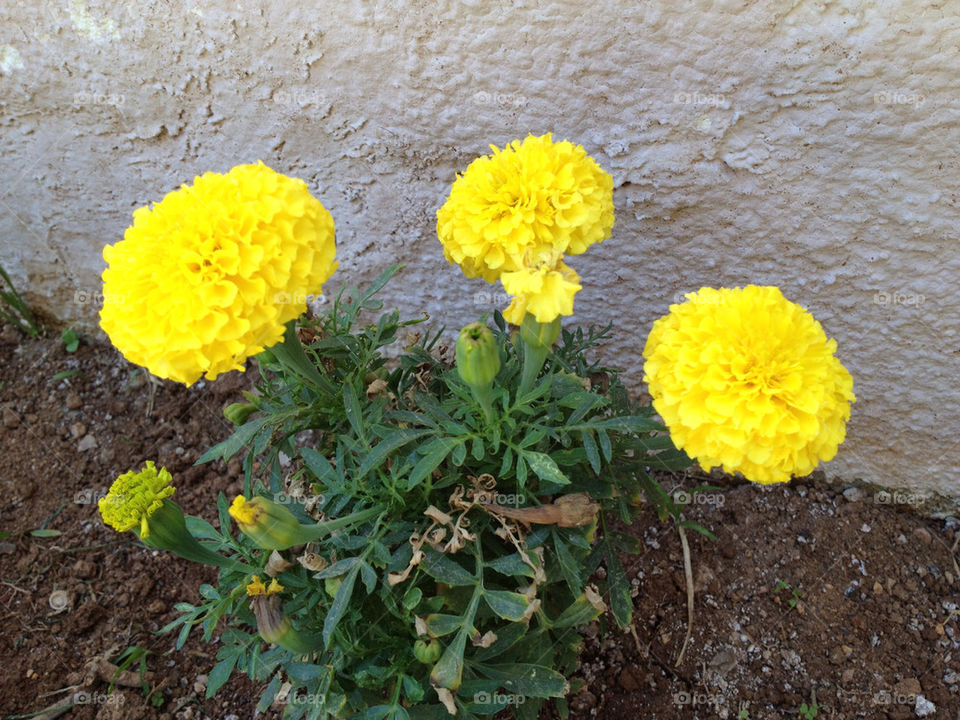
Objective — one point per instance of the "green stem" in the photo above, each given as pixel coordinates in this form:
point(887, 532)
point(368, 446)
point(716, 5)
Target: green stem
point(168, 531)
point(533, 359)
point(482, 395)
point(328, 526)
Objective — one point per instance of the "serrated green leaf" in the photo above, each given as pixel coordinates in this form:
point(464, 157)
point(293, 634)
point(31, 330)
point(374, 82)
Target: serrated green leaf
point(629, 424)
point(545, 468)
point(448, 672)
point(382, 450)
point(621, 603)
point(510, 565)
point(269, 694)
point(578, 613)
point(340, 603)
point(233, 444)
point(220, 674)
point(318, 464)
point(590, 448)
point(434, 453)
point(439, 624)
point(534, 681)
point(508, 605)
point(569, 567)
point(605, 448)
point(304, 672)
point(446, 570)
point(369, 576)
point(351, 405)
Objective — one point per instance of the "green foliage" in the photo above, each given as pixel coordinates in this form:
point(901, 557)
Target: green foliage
point(14, 310)
point(453, 585)
point(70, 340)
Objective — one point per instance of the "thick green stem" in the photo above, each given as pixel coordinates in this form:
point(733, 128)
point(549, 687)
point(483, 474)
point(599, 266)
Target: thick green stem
point(533, 359)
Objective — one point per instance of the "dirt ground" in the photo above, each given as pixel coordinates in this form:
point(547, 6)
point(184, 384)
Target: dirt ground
point(811, 593)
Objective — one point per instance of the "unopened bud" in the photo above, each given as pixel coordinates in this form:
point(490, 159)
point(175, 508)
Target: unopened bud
point(237, 413)
point(478, 359)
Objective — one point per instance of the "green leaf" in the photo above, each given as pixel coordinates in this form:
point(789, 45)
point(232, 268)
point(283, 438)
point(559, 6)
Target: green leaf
point(291, 356)
point(699, 528)
point(340, 567)
point(318, 464)
point(605, 448)
point(439, 624)
point(508, 605)
point(510, 565)
point(339, 606)
point(220, 674)
point(545, 468)
point(45, 533)
point(590, 448)
point(412, 689)
point(351, 405)
point(434, 453)
point(369, 576)
point(569, 567)
point(580, 612)
point(506, 638)
point(621, 603)
point(448, 672)
point(232, 445)
point(629, 424)
point(442, 568)
point(412, 598)
point(386, 446)
point(266, 700)
point(304, 672)
point(526, 679)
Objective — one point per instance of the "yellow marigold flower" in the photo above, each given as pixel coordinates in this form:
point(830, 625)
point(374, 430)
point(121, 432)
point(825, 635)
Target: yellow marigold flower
point(545, 292)
point(209, 275)
point(747, 380)
point(532, 197)
point(134, 497)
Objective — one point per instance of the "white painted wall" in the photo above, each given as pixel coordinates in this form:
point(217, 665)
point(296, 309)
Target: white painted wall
point(812, 145)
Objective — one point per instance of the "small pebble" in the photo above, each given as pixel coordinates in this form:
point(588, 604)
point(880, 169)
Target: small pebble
point(89, 442)
point(74, 402)
point(10, 418)
point(865, 528)
point(924, 707)
point(923, 535)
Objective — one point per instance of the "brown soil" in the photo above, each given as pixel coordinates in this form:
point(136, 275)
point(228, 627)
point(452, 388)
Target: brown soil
point(807, 591)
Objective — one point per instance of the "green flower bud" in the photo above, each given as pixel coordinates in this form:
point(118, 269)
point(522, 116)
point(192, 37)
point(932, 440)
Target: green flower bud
point(478, 359)
point(427, 652)
point(537, 334)
point(273, 527)
point(237, 413)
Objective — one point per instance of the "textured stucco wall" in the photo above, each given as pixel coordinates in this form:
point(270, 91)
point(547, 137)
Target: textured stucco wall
point(812, 145)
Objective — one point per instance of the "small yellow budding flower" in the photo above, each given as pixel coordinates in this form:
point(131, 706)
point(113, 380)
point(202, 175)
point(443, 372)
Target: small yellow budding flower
point(134, 497)
point(256, 587)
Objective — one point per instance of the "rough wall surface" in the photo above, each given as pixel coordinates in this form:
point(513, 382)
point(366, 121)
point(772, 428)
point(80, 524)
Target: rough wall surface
point(811, 145)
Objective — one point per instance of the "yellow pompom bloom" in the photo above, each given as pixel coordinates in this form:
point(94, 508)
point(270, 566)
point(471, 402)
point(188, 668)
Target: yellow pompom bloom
point(532, 197)
point(545, 292)
point(134, 497)
point(746, 380)
point(209, 275)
